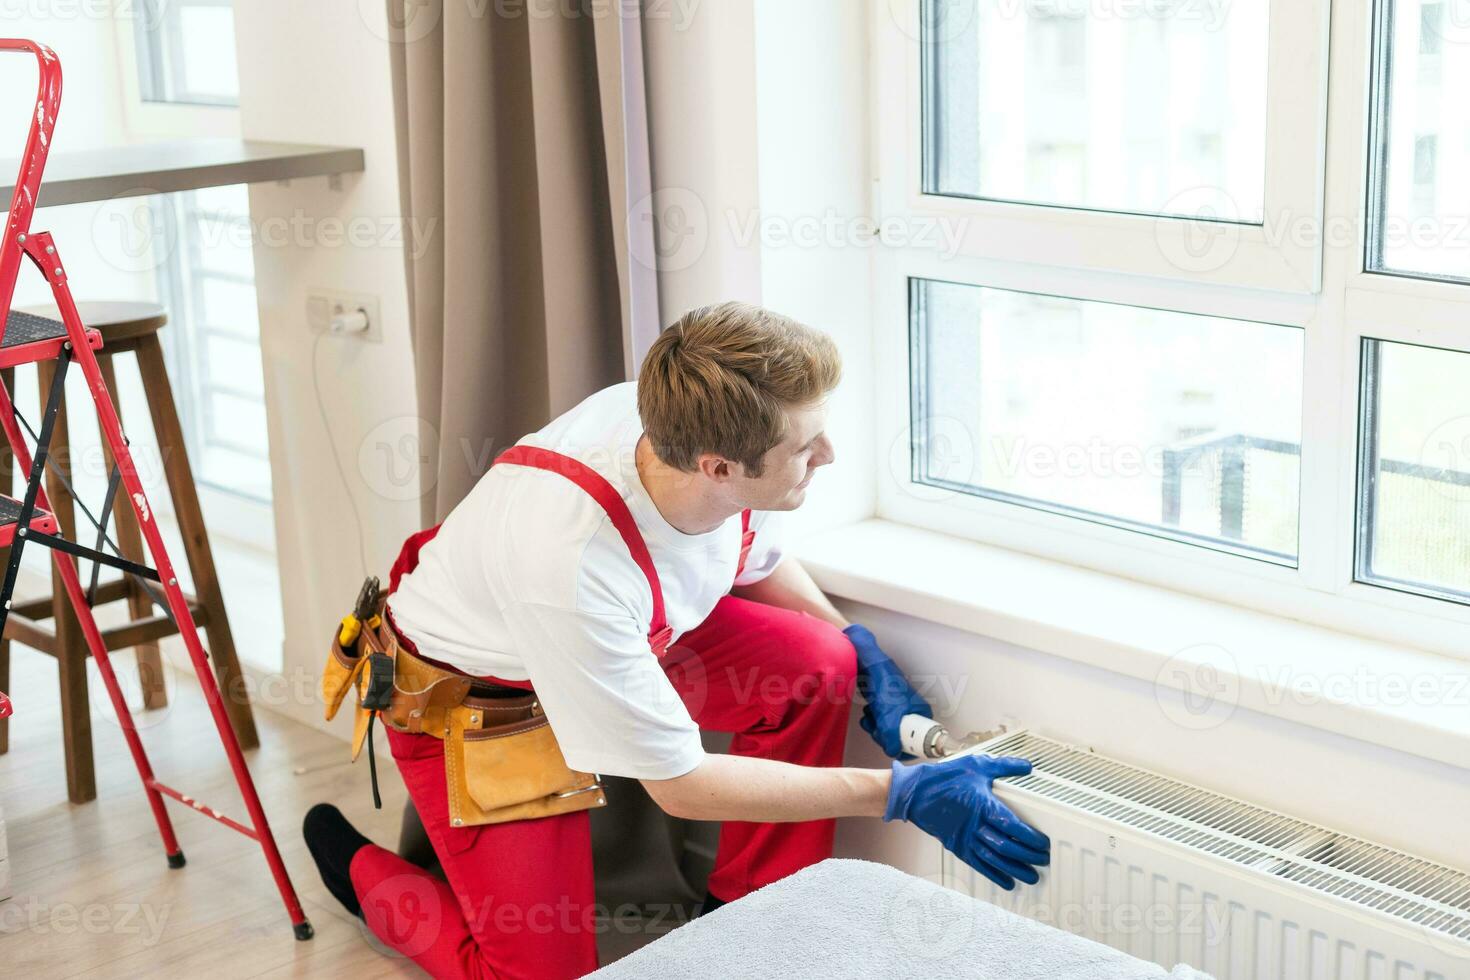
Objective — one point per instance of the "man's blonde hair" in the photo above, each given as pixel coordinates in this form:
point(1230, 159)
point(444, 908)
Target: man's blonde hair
point(719, 381)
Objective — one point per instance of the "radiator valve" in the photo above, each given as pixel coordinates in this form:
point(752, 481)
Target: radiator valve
point(928, 739)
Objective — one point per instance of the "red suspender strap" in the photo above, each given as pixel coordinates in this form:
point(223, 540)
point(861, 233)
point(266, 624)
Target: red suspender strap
point(597, 487)
point(747, 538)
point(659, 633)
point(408, 556)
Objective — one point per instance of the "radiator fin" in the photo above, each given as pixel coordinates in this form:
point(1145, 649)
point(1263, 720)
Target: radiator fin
point(1413, 890)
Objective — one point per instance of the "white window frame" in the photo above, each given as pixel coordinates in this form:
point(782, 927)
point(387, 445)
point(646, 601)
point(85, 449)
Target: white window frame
point(1272, 255)
point(162, 120)
point(1348, 306)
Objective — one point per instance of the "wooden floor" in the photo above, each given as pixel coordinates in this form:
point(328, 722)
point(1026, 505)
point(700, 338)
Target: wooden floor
point(93, 895)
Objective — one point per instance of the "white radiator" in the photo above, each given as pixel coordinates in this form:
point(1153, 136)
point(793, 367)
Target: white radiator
point(1174, 873)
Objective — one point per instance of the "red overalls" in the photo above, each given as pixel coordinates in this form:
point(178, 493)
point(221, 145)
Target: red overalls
point(519, 900)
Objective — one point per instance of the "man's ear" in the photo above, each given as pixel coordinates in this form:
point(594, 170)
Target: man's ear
point(716, 467)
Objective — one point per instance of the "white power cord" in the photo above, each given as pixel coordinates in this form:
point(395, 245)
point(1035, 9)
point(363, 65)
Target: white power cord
point(321, 407)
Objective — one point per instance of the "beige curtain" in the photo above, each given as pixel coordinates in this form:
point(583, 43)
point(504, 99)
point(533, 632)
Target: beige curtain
point(523, 149)
point(522, 140)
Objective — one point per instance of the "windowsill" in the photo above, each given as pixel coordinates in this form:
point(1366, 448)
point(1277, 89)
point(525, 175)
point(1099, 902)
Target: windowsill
point(1394, 696)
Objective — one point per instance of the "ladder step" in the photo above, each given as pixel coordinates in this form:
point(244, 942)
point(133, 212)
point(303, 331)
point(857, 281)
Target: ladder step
point(10, 519)
point(28, 328)
point(29, 338)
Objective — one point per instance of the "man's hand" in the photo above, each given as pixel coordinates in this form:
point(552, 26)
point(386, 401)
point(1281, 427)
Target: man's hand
point(888, 693)
point(953, 801)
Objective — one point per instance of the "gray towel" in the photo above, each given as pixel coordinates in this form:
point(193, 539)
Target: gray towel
point(860, 919)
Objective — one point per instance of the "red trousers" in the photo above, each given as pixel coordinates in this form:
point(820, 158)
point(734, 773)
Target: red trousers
point(519, 899)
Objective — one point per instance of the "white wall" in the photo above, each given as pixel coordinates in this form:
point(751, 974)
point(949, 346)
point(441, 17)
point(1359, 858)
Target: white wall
point(92, 115)
point(700, 80)
point(91, 105)
point(319, 73)
point(815, 184)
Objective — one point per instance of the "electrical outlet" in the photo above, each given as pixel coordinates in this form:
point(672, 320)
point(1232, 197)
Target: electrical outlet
point(324, 304)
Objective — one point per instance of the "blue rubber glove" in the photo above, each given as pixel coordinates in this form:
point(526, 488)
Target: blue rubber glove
point(953, 801)
point(888, 694)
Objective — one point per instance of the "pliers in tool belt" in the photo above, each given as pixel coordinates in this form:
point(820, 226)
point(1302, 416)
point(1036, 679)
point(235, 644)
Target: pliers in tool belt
point(364, 613)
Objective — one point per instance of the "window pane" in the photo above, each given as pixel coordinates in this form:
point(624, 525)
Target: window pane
point(207, 38)
point(1421, 140)
point(224, 241)
point(228, 306)
point(186, 51)
point(1414, 515)
point(214, 347)
point(229, 200)
point(244, 473)
point(1155, 108)
point(234, 365)
point(1170, 423)
point(238, 423)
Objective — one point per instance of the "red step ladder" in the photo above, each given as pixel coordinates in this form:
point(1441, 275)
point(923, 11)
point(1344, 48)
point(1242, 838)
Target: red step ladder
point(27, 339)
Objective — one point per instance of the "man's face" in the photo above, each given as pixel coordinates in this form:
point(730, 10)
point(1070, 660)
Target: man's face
point(790, 464)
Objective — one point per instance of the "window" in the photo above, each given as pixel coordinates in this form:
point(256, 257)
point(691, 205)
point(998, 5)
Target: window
point(186, 52)
point(1169, 423)
point(1132, 108)
point(1161, 337)
point(208, 281)
point(1060, 132)
point(1414, 516)
point(1419, 196)
point(202, 253)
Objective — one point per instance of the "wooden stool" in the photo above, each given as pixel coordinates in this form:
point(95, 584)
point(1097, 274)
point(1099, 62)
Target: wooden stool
point(125, 327)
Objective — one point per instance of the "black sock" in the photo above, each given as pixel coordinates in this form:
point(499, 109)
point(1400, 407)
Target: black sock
point(333, 842)
point(710, 903)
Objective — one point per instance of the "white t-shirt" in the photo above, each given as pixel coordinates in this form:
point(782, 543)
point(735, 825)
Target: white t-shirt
point(528, 579)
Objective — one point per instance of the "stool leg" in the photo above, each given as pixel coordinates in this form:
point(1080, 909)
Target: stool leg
point(196, 539)
point(71, 650)
point(130, 544)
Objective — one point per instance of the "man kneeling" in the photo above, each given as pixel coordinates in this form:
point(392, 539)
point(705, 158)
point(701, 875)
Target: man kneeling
point(617, 580)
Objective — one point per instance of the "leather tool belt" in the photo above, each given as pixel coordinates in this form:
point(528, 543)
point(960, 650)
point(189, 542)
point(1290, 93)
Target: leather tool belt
point(501, 759)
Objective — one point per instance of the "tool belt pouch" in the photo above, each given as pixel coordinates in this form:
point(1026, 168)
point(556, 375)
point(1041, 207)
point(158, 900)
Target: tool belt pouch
point(344, 671)
point(512, 769)
point(339, 676)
